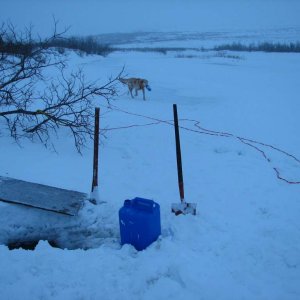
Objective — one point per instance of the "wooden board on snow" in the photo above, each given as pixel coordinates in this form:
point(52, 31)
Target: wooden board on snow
point(41, 196)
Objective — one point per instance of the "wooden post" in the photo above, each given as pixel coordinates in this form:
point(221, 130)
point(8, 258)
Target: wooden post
point(178, 154)
point(96, 149)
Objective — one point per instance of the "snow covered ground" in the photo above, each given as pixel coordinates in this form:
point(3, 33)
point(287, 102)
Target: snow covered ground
point(196, 39)
point(243, 243)
point(241, 165)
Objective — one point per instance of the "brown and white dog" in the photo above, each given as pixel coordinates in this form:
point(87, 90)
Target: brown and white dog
point(136, 84)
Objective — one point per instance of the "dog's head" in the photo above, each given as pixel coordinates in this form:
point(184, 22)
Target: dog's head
point(146, 85)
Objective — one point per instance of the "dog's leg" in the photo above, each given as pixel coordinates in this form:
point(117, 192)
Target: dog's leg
point(144, 94)
point(130, 90)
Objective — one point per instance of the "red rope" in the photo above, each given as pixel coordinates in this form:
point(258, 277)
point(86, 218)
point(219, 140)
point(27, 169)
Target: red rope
point(246, 141)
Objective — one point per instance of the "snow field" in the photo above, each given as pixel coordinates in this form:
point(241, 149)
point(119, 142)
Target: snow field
point(244, 241)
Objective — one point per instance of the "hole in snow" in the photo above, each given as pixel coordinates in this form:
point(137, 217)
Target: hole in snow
point(28, 245)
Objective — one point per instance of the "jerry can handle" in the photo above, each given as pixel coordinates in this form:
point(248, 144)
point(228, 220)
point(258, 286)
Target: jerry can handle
point(143, 204)
point(127, 203)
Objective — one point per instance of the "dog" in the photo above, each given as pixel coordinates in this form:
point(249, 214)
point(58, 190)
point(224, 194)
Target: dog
point(136, 84)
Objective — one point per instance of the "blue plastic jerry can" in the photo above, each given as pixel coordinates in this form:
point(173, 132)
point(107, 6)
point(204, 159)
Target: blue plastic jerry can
point(139, 220)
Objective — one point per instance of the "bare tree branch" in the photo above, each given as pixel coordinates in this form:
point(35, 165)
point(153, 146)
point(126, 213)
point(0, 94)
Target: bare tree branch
point(34, 105)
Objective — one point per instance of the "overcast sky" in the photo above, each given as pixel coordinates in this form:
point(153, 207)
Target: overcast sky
point(106, 16)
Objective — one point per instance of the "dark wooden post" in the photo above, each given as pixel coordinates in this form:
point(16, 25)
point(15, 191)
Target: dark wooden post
point(96, 148)
point(178, 154)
